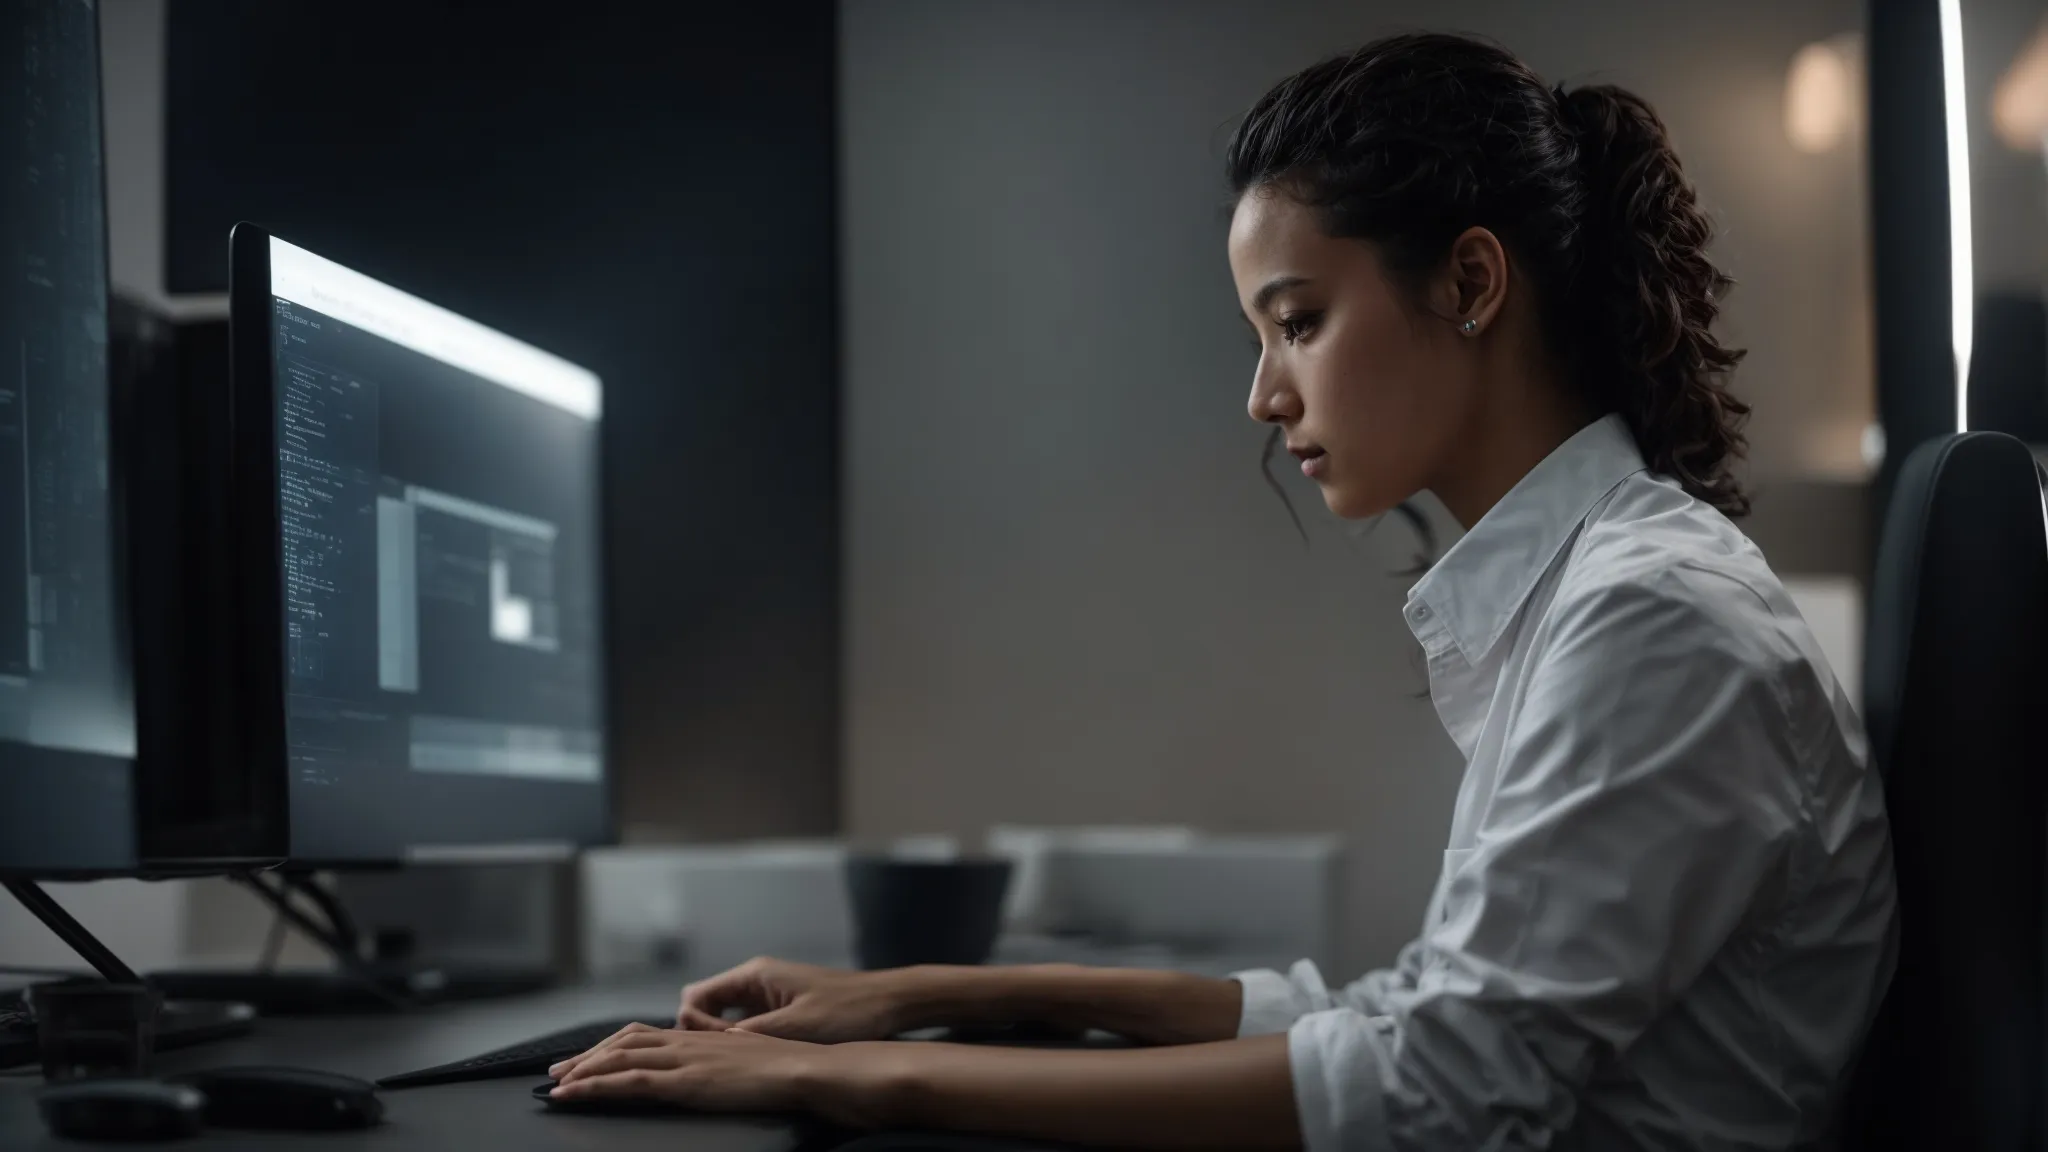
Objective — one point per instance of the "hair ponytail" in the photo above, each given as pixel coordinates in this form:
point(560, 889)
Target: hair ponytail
point(1647, 296)
point(1411, 140)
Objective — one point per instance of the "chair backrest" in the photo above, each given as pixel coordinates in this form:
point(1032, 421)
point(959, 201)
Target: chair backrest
point(2009, 365)
point(1956, 701)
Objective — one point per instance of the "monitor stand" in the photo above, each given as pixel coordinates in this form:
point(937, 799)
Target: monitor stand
point(179, 1024)
point(356, 984)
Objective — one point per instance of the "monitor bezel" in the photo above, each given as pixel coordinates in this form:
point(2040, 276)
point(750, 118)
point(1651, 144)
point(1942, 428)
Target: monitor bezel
point(246, 825)
point(253, 745)
point(259, 546)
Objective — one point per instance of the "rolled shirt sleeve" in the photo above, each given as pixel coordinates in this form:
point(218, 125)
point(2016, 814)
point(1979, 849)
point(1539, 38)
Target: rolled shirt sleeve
point(1647, 792)
point(1273, 1002)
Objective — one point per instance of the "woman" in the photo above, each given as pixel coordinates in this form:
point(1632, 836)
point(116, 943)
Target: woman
point(1665, 916)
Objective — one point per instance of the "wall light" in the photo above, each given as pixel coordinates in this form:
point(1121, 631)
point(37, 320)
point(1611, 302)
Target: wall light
point(1824, 93)
point(1962, 283)
point(2019, 106)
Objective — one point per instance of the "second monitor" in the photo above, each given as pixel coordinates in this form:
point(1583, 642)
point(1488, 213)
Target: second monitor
point(421, 516)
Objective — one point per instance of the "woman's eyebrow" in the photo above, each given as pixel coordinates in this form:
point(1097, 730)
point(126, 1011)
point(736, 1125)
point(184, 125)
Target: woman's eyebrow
point(1274, 287)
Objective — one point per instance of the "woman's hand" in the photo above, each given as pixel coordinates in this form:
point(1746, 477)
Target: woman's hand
point(801, 1002)
point(730, 1071)
point(1231, 1094)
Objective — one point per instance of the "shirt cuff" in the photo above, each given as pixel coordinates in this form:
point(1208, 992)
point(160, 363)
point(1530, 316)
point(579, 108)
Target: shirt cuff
point(1268, 1003)
point(1272, 1002)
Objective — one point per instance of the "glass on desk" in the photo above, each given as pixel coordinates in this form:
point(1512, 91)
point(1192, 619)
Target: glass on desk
point(90, 1029)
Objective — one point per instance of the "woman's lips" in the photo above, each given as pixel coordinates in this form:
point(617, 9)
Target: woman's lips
point(1314, 461)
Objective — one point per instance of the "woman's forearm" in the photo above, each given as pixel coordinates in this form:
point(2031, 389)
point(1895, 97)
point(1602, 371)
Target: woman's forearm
point(1148, 1007)
point(1230, 1094)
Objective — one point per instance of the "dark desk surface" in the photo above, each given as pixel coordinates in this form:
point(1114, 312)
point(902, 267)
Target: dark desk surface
point(501, 1115)
point(493, 1115)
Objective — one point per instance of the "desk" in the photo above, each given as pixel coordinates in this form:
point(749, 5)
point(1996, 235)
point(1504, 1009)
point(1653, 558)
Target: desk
point(501, 1115)
point(493, 1115)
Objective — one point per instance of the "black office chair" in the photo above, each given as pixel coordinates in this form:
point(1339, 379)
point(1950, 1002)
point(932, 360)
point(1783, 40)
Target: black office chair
point(1956, 699)
point(2009, 365)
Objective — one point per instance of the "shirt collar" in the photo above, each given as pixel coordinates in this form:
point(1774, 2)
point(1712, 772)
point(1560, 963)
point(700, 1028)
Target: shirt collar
point(1479, 585)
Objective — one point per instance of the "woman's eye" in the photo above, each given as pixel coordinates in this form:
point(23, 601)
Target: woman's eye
point(1296, 325)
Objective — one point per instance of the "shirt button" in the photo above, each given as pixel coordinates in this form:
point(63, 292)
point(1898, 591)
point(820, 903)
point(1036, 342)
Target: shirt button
point(1420, 612)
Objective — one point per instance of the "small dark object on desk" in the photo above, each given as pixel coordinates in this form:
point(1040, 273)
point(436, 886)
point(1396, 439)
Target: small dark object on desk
point(94, 1028)
point(130, 1110)
point(909, 912)
point(284, 1099)
point(178, 1025)
point(527, 1058)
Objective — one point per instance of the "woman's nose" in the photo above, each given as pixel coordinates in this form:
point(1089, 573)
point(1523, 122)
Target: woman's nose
point(1272, 401)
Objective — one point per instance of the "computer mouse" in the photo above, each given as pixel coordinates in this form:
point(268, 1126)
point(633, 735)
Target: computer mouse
point(606, 1105)
point(284, 1099)
point(128, 1110)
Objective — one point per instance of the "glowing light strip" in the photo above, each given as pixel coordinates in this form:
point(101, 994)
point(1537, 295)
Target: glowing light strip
point(431, 330)
point(1961, 276)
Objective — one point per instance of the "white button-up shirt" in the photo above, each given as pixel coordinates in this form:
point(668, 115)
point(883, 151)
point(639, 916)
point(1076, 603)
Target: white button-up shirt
point(1666, 916)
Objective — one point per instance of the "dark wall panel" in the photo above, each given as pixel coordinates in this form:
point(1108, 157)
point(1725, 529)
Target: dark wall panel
point(645, 189)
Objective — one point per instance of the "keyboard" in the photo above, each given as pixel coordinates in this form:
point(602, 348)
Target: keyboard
point(527, 1058)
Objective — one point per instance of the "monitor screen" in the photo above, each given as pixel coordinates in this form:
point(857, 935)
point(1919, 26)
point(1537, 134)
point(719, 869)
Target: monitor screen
point(436, 488)
point(67, 720)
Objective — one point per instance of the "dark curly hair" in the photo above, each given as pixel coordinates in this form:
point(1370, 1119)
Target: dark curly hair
point(1410, 140)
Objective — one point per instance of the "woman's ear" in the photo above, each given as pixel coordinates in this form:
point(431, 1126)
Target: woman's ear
point(1474, 285)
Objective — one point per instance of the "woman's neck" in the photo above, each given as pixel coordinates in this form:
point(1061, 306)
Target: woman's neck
point(1520, 425)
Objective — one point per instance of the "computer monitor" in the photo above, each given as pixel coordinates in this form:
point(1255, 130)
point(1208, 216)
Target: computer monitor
point(84, 791)
point(423, 523)
point(67, 718)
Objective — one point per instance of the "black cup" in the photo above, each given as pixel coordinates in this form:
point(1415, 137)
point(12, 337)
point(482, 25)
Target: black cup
point(89, 1029)
point(925, 911)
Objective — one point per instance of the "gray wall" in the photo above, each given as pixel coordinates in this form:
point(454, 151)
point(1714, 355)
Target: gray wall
point(1068, 597)
point(2008, 206)
point(132, 79)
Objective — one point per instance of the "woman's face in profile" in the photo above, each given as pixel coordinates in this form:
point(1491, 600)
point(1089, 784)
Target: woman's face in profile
point(1366, 388)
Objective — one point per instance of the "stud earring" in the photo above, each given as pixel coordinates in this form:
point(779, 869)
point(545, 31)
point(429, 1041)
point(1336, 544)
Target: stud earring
point(1469, 327)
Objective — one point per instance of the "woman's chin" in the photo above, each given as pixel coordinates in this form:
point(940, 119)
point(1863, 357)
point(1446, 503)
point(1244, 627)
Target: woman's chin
point(1348, 504)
